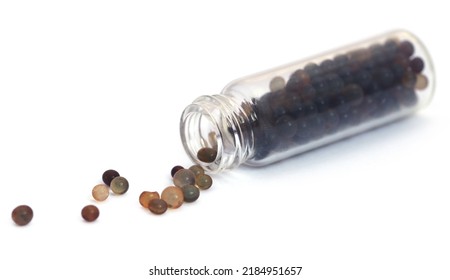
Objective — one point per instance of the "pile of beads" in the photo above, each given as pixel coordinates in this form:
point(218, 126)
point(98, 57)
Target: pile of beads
point(186, 188)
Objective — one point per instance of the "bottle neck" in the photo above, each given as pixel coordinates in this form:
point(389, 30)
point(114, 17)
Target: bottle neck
point(220, 122)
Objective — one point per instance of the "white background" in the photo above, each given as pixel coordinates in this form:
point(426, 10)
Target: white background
point(90, 85)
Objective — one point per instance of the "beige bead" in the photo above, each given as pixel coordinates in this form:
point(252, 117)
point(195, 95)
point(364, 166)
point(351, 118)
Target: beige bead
point(277, 83)
point(173, 196)
point(100, 192)
point(421, 82)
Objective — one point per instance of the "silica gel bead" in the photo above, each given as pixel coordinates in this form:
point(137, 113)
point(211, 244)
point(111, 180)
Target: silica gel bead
point(184, 177)
point(146, 197)
point(197, 169)
point(175, 169)
point(119, 185)
point(173, 196)
point(190, 193)
point(109, 175)
point(90, 213)
point(100, 192)
point(22, 215)
point(157, 206)
point(204, 182)
point(207, 155)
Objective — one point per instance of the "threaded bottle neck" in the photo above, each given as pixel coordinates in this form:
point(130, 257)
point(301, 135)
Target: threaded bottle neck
point(220, 122)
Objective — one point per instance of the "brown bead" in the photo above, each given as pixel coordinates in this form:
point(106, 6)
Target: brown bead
point(119, 185)
point(207, 155)
point(100, 192)
point(90, 213)
point(109, 175)
point(203, 182)
point(22, 215)
point(146, 197)
point(157, 206)
point(197, 169)
point(173, 196)
point(175, 169)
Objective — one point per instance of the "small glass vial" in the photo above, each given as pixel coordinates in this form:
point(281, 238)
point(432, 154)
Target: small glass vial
point(288, 110)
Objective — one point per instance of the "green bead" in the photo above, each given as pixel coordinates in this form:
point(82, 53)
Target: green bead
point(119, 185)
point(190, 193)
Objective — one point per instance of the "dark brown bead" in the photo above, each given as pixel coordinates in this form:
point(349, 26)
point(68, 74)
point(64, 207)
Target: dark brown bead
point(90, 213)
point(175, 169)
point(109, 175)
point(417, 65)
point(22, 215)
point(157, 206)
point(407, 48)
point(207, 155)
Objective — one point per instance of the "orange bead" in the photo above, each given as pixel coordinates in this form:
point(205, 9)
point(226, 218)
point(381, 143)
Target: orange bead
point(145, 198)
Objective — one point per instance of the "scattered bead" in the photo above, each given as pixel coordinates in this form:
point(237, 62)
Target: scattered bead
point(90, 213)
point(421, 82)
point(207, 155)
point(119, 185)
point(204, 182)
point(146, 197)
point(197, 169)
point(109, 175)
point(175, 169)
point(190, 193)
point(157, 206)
point(173, 196)
point(100, 192)
point(22, 215)
point(184, 177)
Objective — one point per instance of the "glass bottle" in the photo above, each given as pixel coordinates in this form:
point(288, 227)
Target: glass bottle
point(269, 116)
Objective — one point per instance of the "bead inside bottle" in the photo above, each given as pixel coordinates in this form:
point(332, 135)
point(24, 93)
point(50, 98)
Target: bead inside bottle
point(269, 116)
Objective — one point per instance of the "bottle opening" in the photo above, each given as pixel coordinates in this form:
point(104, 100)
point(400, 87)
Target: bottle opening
point(213, 134)
point(199, 129)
